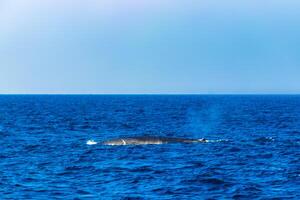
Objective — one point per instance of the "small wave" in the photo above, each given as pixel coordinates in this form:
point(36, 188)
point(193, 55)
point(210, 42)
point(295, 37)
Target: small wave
point(264, 139)
point(220, 140)
point(213, 181)
point(91, 142)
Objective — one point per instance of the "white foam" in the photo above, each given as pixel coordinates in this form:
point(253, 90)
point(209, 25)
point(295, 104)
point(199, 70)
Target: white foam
point(91, 142)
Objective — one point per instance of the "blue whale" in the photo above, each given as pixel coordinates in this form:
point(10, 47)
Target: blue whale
point(147, 140)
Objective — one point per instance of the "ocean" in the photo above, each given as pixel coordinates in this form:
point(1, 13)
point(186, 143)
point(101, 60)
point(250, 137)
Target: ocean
point(253, 150)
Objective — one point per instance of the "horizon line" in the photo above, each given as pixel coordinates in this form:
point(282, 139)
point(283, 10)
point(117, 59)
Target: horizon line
point(149, 94)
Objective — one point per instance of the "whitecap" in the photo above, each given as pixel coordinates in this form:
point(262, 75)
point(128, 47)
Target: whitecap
point(91, 142)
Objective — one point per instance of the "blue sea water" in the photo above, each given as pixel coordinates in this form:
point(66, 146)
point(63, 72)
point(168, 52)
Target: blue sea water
point(253, 152)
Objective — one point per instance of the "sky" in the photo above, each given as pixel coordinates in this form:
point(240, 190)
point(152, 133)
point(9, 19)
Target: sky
point(149, 47)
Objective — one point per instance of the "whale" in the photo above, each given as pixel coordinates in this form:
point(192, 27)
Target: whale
point(144, 140)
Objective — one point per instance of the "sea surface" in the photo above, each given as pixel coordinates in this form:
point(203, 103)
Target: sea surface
point(253, 150)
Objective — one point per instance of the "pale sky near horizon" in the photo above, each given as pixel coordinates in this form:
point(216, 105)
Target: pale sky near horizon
point(157, 46)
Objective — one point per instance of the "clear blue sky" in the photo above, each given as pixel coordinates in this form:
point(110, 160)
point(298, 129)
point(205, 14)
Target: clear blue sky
point(157, 46)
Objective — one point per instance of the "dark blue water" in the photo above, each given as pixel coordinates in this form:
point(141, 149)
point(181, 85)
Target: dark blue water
point(254, 152)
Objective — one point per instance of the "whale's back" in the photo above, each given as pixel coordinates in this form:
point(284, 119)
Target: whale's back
point(147, 140)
